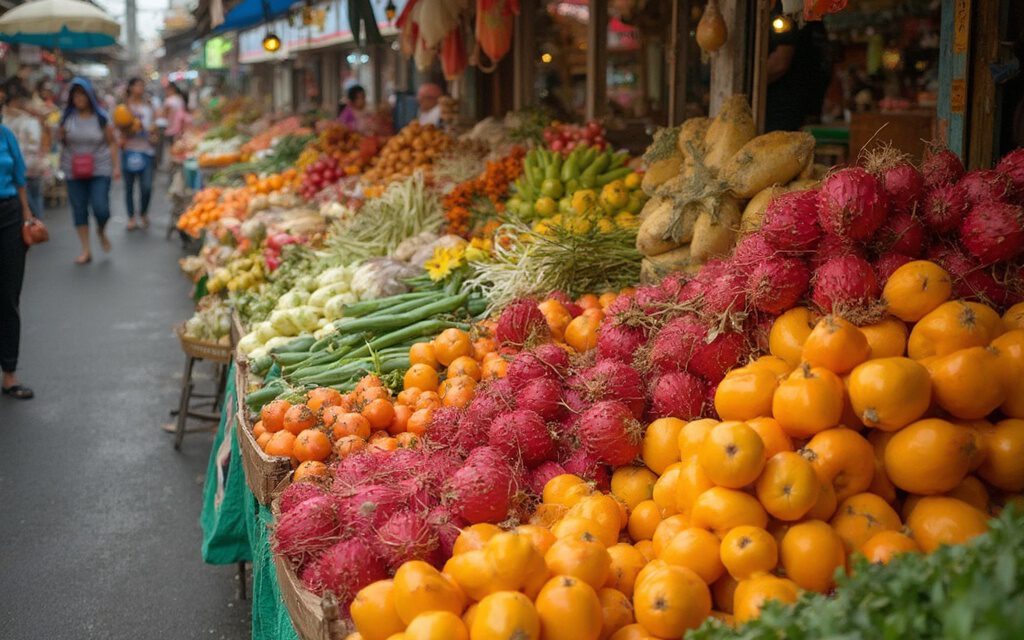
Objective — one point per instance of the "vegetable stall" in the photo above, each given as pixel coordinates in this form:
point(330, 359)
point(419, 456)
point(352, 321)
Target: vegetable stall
point(543, 389)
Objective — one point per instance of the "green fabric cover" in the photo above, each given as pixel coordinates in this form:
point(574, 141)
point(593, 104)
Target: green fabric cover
point(270, 619)
point(225, 540)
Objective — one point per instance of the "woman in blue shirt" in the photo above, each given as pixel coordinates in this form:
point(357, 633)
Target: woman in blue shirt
point(14, 212)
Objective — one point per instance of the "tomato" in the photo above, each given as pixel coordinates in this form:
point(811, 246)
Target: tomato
point(930, 456)
point(788, 487)
point(747, 551)
point(281, 444)
point(774, 438)
point(514, 559)
point(616, 611)
point(1003, 445)
point(450, 345)
point(1010, 350)
point(810, 553)
point(860, 517)
point(732, 454)
point(752, 594)
point(788, 333)
point(966, 382)
point(881, 547)
point(569, 609)
point(835, 344)
point(566, 489)
point(437, 625)
point(322, 397)
point(505, 615)
point(953, 326)
point(719, 509)
point(937, 520)
point(691, 481)
point(668, 529)
point(887, 337)
point(1014, 317)
point(843, 458)
point(626, 563)
point(581, 334)
point(311, 445)
point(373, 611)
point(298, 418)
point(587, 560)
point(272, 414)
point(746, 393)
point(473, 537)
point(423, 353)
point(659, 444)
point(692, 435)
point(603, 510)
point(915, 289)
point(890, 393)
point(473, 572)
point(633, 485)
point(464, 366)
point(310, 469)
point(541, 537)
point(670, 601)
point(808, 401)
point(420, 587)
point(643, 520)
point(698, 550)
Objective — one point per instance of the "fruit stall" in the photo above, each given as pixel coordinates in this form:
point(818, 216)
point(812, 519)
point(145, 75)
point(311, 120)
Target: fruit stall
point(520, 384)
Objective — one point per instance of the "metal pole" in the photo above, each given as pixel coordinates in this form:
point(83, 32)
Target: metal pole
point(132, 34)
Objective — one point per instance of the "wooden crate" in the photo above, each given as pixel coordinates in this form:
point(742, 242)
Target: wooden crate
point(314, 617)
point(263, 473)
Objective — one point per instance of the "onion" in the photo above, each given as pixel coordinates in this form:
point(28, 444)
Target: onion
point(851, 204)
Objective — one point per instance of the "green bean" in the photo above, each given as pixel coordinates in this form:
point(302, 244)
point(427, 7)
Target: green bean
point(357, 309)
point(383, 323)
point(422, 328)
point(298, 345)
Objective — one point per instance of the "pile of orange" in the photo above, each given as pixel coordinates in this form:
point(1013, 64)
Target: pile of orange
point(491, 185)
point(288, 179)
point(896, 437)
point(580, 332)
point(331, 424)
point(212, 204)
point(414, 147)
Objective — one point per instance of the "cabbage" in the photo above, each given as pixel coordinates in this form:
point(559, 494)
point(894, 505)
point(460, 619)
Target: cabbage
point(335, 307)
point(282, 321)
point(306, 282)
point(258, 353)
point(331, 276)
point(294, 298)
point(320, 297)
point(248, 343)
point(305, 319)
point(265, 331)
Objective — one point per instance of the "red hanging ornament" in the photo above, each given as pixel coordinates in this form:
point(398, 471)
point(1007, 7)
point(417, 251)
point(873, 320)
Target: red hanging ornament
point(817, 9)
point(494, 26)
point(453, 54)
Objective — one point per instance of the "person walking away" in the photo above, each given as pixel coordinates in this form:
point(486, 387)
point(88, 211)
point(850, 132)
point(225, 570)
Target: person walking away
point(14, 213)
point(89, 159)
point(33, 139)
point(138, 153)
point(429, 99)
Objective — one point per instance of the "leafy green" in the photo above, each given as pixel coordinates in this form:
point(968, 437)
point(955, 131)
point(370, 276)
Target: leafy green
point(965, 592)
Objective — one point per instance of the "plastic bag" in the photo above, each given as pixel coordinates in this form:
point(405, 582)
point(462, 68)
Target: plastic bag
point(453, 54)
point(494, 26)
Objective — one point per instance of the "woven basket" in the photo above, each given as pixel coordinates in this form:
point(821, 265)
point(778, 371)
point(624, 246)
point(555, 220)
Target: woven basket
point(220, 353)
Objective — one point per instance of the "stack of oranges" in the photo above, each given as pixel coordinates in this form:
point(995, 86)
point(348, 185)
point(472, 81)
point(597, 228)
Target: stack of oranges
point(333, 424)
point(212, 204)
point(265, 185)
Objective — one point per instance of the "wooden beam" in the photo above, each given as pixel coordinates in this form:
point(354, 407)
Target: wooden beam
point(954, 47)
point(759, 75)
point(985, 94)
point(676, 54)
point(524, 54)
point(597, 59)
point(729, 65)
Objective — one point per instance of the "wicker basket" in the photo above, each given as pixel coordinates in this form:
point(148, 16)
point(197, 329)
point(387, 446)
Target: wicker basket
point(220, 353)
point(264, 474)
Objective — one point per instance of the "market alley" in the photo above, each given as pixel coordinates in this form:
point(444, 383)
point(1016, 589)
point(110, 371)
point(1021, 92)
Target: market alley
point(99, 512)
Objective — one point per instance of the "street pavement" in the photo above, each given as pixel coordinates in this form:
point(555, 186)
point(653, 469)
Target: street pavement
point(99, 515)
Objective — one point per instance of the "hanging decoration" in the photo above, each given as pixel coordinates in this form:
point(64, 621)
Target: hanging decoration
point(454, 59)
point(817, 9)
point(711, 30)
point(495, 22)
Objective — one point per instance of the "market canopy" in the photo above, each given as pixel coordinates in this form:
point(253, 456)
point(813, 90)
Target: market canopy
point(59, 24)
point(249, 13)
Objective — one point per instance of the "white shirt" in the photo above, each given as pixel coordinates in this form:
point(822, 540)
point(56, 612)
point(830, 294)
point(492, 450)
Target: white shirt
point(432, 116)
point(29, 133)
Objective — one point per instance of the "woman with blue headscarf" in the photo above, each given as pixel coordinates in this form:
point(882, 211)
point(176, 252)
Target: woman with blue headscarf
point(89, 160)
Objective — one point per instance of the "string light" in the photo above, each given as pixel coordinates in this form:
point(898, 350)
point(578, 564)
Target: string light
point(545, 58)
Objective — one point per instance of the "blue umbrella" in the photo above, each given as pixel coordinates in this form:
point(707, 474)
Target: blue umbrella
point(248, 13)
point(59, 24)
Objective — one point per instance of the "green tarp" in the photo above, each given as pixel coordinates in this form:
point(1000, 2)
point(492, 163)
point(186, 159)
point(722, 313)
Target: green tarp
point(235, 527)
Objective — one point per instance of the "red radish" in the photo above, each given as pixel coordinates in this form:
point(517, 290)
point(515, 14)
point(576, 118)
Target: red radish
point(712, 360)
point(777, 284)
point(554, 357)
point(758, 328)
point(674, 344)
point(945, 207)
point(570, 306)
point(575, 397)
point(348, 566)
point(521, 433)
point(677, 394)
point(833, 247)
point(585, 464)
point(902, 233)
point(296, 493)
point(970, 280)
point(543, 472)
point(749, 251)
point(993, 232)
point(844, 283)
point(309, 574)
point(791, 221)
point(542, 396)
point(307, 528)
point(673, 283)
point(903, 186)
point(1012, 166)
point(407, 536)
point(530, 365)
point(610, 380)
point(444, 425)
point(521, 321)
point(851, 204)
point(650, 298)
point(369, 507)
point(887, 263)
point(623, 303)
point(482, 489)
point(473, 428)
point(619, 342)
point(940, 167)
point(709, 410)
point(726, 294)
point(448, 527)
point(356, 469)
point(609, 431)
point(986, 185)
point(705, 277)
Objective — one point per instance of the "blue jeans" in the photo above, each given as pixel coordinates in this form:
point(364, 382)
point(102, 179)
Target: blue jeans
point(34, 190)
point(90, 193)
point(145, 180)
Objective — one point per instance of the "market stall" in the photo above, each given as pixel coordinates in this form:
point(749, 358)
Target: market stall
point(522, 383)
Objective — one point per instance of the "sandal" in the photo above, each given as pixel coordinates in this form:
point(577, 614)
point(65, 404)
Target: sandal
point(144, 220)
point(105, 243)
point(86, 259)
point(131, 225)
point(19, 392)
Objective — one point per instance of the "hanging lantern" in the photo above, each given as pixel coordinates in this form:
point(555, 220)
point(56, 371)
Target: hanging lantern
point(390, 10)
point(271, 43)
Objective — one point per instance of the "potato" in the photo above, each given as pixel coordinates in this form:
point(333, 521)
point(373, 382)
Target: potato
point(666, 227)
point(714, 233)
point(754, 211)
point(732, 128)
point(692, 131)
point(774, 158)
point(654, 268)
point(660, 171)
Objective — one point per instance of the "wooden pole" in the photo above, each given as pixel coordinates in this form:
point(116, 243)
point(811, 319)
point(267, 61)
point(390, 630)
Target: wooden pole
point(985, 95)
point(729, 64)
point(524, 54)
point(759, 91)
point(597, 58)
point(677, 50)
point(954, 47)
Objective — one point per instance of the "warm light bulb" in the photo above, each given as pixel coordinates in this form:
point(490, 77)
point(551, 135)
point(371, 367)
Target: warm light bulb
point(390, 10)
point(545, 58)
point(271, 43)
point(781, 24)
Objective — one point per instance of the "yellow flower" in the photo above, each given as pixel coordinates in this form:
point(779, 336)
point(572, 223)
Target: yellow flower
point(445, 261)
point(479, 249)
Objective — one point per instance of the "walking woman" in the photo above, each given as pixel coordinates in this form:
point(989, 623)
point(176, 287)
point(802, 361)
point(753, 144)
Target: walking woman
point(14, 212)
point(139, 153)
point(89, 159)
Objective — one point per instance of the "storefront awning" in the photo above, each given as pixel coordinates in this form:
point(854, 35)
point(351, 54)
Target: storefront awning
point(249, 13)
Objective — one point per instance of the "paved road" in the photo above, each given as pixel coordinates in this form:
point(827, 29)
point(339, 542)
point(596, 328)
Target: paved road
point(99, 533)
